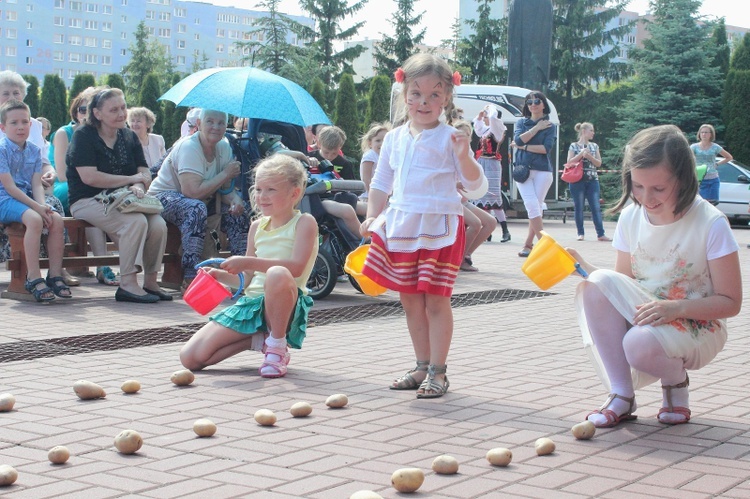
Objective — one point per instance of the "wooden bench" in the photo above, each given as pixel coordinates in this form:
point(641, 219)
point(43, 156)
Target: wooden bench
point(76, 255)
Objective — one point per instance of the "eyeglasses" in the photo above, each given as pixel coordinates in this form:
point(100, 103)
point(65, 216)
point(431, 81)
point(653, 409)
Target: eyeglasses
point(534, 102)
point(82, 109)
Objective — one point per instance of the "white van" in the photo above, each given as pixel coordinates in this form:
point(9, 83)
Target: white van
point(510, 101)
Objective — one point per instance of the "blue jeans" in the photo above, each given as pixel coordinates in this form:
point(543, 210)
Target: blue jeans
point(709, 189)
point(586, 190)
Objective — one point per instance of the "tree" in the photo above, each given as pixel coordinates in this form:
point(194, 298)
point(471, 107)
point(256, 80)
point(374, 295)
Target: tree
point(675, 82)
point(346, 114)
point(114, 80)
point(736, 95)
point(392, 51)
point(275, 53)
point(482, 51)
point(32, 94)
point(80, 83)
point(723, 52)
point(580, 30)
point(379, 100)
point(741, 55)
point(452, 42)
point(147, 98)
point(146, 56)
point(318, 92)
point(173, 117)
point(199, 64)
point(328, 15)
point(53, 104)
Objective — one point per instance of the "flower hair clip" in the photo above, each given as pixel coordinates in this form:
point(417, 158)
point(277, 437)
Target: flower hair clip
point(456, 79)
point(399, 75)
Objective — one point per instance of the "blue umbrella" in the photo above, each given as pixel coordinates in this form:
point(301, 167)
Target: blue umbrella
point(248, 93)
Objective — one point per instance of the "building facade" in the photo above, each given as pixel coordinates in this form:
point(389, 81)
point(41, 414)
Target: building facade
point(70, 37)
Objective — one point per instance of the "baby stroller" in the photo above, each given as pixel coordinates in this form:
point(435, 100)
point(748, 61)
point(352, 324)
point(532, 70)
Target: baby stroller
point(336, 240)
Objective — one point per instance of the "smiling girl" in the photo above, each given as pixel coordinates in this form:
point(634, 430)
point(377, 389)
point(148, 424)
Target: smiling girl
point(676, 278)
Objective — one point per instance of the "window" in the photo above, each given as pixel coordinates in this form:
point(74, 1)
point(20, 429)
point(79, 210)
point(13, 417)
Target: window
point(106, 26)
point(165, 16)
point(59, 21)
point(248, 21)
point(220, 32)
point(180, 44)
point(150, 15)
point(58, 38)
point(123, 36)
point(107, 10)
point(60, 72)
point(10, 51)
point(72, 73)
point(92, 7)
point(197, 36)
point(74, 57)
point(74, 23)
point(180, 59)
point(164, 33)
point(89, 41)
point(123, 52)
point(76, 6)
point(124, 3)
point(123, 19)
point(233, 34)
point(29, 8)
point(29, 42)
point(59, 4)
point(91, 25)
point(182, 28)
point(197, 20)
point(74, 40)
point(11, 15)
point(29, 25)
point(107, 60)
point(150, 31)
point(178, 12)
point(57, 55)
point(106, 43)
point(91, 59)
point(220, 48)
point(11, 33)
point(29, 60)
point(228, 18)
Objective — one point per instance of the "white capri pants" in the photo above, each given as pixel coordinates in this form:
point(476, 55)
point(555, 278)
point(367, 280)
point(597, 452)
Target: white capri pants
point(533, 192)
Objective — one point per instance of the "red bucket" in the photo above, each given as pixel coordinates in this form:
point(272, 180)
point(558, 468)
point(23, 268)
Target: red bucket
point(205, 293)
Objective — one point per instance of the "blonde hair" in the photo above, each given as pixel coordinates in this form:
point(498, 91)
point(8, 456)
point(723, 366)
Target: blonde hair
point(710, 129)
point(284, 166)
point(331, 137)
point(375, 129)
point(655, 146)
point(143, 112)
point(580, 127)
point(420, 65)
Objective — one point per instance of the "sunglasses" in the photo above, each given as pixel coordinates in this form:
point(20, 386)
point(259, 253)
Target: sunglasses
point(83, 109)
point(535, 102)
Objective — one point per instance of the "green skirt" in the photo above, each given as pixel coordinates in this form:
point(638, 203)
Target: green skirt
point(247, 316)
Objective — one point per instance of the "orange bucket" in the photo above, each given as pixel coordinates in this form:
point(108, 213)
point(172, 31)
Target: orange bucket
point(205, 292)
point(549, 263)
point(355, 262)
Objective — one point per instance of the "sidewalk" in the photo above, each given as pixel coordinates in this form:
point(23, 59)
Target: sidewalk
point(517, 368)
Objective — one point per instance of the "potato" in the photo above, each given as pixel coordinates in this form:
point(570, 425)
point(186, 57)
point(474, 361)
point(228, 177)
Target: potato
point(544, 446)
point(128, 442)
point(8, 475)
point(445, 465)
point(499, 456)
point(583, 431)
point(365, 494)
point(337, 401)
point(204, 428)
point(183, 378)
point(58, 454)
point(300, 410)
point(265, 417)
point(86, 390)
point(407, 479)
point(7, 401)
point(130, 386)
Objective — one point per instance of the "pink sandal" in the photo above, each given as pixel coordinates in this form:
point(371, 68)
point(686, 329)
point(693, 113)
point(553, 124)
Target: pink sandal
point(612, 418)
point(278, 365)
point(670, 409)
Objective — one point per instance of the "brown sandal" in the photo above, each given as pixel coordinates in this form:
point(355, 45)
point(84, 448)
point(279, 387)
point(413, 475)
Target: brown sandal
point(612, 418)
point(683, 411)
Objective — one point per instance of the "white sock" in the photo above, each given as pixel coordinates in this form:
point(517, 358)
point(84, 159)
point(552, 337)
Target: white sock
point(618, 406)
point(275, 343)
point(680, 398)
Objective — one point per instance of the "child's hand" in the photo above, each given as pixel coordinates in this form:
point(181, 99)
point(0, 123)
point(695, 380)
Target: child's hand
point(656, 313)
point(586, 266)
point(364, 229)
point(236, 264)
point(461, 144)
point(45, 211)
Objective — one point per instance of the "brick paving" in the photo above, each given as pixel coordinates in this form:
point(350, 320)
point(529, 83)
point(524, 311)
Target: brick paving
point(517, 369)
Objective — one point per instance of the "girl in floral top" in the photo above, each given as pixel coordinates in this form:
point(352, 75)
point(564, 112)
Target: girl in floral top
point(676, 278)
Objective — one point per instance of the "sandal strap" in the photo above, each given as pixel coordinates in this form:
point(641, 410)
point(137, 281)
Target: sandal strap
point(668, 388)
point(435, 369)
point(612, 396)
point(407, 381)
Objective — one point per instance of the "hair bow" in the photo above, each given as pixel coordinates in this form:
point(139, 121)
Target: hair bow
point(456, 79)
point(399, 75)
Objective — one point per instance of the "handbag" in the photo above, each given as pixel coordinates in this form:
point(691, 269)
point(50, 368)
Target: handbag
point(573, 172)
point(126, 202)
point(521, 172)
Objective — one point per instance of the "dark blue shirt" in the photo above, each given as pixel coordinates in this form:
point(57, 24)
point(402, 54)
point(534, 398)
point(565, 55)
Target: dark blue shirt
point(545, 138)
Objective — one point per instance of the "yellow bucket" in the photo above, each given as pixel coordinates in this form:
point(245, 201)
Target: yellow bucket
point(355, 262)
point(548, 263)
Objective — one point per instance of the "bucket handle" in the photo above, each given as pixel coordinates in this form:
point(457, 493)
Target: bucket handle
point(580, 270)
point(218, 261)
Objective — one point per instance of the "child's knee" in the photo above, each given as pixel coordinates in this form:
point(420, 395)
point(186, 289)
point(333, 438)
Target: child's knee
point(32, 220)
point(188, 359)
point(278, 279)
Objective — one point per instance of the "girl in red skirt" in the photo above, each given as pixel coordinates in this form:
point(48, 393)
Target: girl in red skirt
point(418, 239)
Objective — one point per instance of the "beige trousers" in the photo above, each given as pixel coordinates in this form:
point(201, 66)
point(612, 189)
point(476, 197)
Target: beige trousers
point(140, 238)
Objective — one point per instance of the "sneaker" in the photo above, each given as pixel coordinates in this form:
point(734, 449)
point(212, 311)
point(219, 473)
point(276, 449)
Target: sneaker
point(603, 238)
point(580, 237)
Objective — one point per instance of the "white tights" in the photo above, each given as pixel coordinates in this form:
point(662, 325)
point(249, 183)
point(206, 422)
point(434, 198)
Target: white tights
point(622, 347)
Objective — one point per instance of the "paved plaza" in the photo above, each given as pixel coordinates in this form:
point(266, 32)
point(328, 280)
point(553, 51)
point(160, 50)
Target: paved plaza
point(517, 368)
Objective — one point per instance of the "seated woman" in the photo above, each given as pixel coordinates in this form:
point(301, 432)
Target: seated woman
point(103, 154)
point(141, 120)
point(199, 169)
